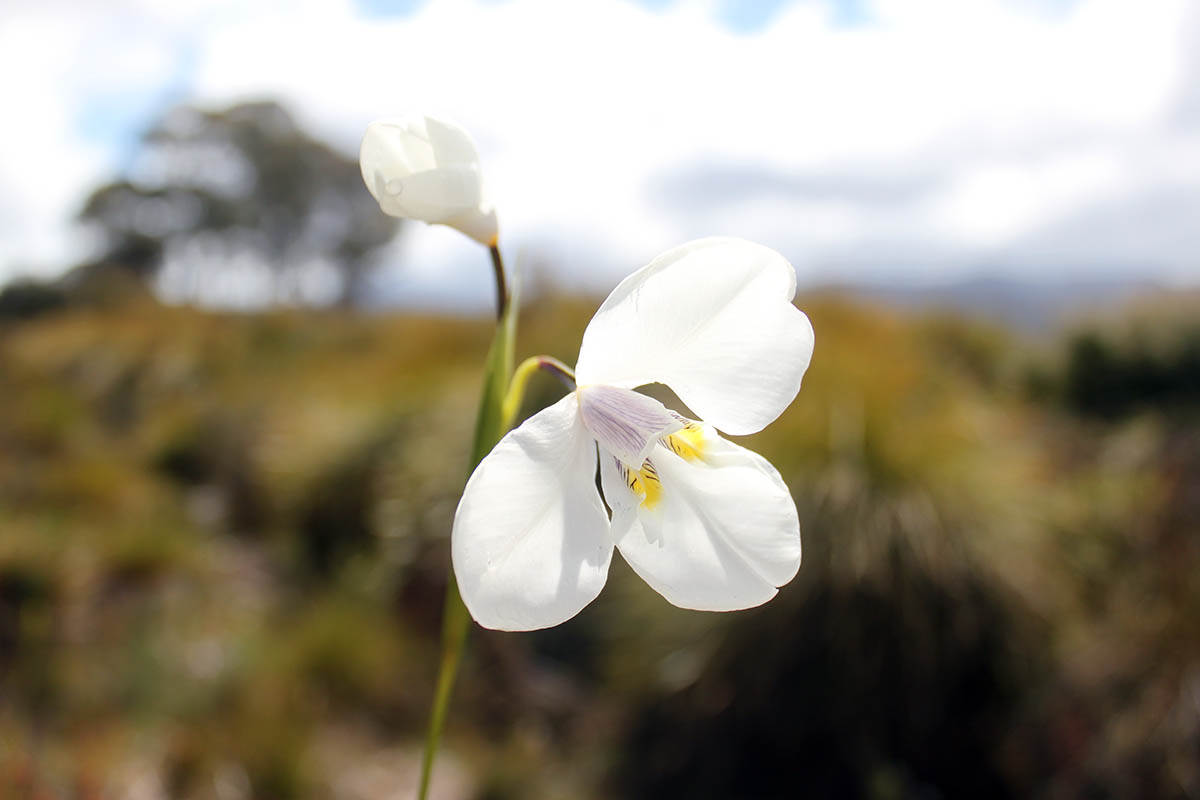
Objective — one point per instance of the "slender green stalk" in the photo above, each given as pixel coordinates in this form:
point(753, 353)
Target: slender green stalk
point(455, 624)
point(490, 424)
point(520, 379)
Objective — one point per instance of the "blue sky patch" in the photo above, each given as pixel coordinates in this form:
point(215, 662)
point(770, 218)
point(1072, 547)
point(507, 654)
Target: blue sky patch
point(741, 16)
point(384, 9)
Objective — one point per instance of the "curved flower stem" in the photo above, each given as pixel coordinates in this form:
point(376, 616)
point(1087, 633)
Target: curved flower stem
point(501, 283)
point(520, 379)
point(490, 424)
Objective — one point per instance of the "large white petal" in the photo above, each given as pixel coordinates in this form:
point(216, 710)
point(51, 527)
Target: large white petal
point(531, 543)
point(713, 319)
point(723, 534)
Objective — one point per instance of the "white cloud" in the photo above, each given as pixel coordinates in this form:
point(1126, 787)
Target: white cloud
point(43, 165)
point(1009, 123)
point(992, 203)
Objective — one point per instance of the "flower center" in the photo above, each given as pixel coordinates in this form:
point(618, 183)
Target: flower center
point(687, 443)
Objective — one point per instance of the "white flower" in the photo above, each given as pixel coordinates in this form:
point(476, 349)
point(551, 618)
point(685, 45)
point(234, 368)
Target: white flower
point(708, 524)
point(427, 169)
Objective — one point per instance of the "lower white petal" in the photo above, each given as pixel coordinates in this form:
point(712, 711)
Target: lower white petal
point(721, 534)
point(531, 543)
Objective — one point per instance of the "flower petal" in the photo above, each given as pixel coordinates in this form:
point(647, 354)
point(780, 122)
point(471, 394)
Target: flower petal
point(713, 319)
point(479, 223)
point(435, 195)
point(531, 545)
point(451, 144)
point(722, 534)
point(624, 422)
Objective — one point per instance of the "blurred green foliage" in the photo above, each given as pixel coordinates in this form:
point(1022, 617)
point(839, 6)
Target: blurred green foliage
point(1150, 360)
point(223, 544)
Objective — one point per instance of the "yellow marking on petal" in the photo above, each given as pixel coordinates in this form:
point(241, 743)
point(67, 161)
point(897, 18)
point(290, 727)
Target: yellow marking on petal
point(644, 483)
point(688, 443)
point(651, 485)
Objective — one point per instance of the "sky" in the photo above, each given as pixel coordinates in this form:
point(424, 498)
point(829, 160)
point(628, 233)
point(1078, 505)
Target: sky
point(885, 141)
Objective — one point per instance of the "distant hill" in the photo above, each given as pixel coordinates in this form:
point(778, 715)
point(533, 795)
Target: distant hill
point(1023, 303)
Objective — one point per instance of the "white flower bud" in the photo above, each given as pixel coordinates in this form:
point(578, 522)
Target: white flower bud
point(427, 169)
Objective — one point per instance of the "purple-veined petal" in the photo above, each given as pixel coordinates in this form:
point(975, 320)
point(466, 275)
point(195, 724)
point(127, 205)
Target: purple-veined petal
point(624, 422)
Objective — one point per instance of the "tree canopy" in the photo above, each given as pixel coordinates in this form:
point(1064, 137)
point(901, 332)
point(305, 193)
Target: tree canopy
point(239, 206)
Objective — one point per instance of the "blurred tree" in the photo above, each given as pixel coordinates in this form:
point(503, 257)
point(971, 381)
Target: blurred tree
point(1149, 360)
point(239, 206)
point(29, 298)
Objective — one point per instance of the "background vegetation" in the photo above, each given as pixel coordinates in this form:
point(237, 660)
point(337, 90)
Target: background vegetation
point(223, 541)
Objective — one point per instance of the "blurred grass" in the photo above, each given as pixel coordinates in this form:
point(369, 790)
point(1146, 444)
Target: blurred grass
point(223, 541)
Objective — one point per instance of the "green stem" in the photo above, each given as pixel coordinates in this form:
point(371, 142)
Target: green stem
point(455, 624)
point(490, 424)
point(455, 620)
point(520, 379)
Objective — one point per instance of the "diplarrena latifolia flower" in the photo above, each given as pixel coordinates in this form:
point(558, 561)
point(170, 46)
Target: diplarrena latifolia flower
point(707, 523)
point(423, 168)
